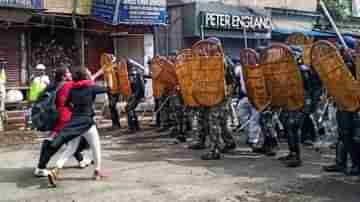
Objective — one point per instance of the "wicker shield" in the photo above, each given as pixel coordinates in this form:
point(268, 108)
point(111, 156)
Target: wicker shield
point(185, 60)
point(283, 77)
point(209, 76)
point(357, 60)
point(300, 39)
point(248, 57)
point(164, 70)
point(105, 59)
point(123, 76)
point(158, 88)
point(110, 75)
point(334, 75)
point(254, 79)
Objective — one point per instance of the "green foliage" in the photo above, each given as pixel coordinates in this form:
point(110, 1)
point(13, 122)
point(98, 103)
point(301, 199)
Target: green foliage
point(339, 9)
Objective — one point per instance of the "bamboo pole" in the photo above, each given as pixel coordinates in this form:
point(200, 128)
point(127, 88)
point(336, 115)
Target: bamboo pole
point(323, 6)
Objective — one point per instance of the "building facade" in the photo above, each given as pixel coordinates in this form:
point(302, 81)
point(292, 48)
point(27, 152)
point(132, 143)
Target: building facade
point(236, 26)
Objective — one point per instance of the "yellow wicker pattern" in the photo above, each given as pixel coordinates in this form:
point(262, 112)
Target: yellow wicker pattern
point(283, 78)
point(307, 54)
point(209, 76)
point(158, 88)
point(209, 81)
point(298, 38)
point(185, 60)
point(334, 75)
point(164, 70)
point(123, 77)
point(256, 86)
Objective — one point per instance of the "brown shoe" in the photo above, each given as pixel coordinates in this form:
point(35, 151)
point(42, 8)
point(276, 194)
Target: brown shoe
point(53, 176)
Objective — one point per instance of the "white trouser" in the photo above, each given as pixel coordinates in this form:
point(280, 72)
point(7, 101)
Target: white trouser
point(245, 112)
point(92, 137)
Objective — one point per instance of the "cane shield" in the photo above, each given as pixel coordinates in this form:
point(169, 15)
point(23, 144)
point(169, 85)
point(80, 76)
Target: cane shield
point(283, 77)
point(335, 76)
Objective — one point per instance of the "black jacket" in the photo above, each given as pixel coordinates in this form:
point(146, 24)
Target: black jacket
point(83, 99)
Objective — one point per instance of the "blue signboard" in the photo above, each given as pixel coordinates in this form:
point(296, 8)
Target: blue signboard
point(29, 4)
point(115, 12)
point(140, 14)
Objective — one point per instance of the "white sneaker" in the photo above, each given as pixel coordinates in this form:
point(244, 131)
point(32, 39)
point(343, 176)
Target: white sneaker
point(41, 172)
point(85, 163)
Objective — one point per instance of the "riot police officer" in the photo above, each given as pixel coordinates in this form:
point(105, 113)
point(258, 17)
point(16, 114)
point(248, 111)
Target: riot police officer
point(137, 93)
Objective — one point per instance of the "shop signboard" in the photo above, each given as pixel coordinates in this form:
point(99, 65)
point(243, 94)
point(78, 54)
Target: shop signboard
point(236, 22)
point(29, 4)
point(148, 12)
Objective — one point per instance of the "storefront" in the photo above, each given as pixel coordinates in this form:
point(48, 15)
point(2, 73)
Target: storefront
point(237, 27)
point(13, 38)
point(132, 27)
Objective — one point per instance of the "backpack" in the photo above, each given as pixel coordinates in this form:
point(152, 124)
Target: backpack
point(44, 113)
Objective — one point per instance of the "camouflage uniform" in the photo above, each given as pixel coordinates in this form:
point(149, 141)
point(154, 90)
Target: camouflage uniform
point(217, 119)
point(268, 123)
point(178, 115)
point(200, 127)
point(293, 122)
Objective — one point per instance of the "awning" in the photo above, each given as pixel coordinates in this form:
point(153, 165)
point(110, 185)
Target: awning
point(310, 33)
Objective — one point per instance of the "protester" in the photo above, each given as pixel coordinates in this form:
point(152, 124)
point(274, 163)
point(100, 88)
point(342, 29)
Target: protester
point(63, 81)
point(82, 124)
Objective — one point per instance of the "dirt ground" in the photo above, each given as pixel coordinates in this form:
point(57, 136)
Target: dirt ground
point(148, 166)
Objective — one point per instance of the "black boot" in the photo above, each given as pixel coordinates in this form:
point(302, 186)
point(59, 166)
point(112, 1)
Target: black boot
point(287, 157)
point(354, 171)
point(294, 161)
point(341, 159)
point(198, 146)
point(228, 148)
point(212, 155)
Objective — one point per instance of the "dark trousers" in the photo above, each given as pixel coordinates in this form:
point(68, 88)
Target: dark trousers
point(158, 118)
point(349, 126)
point(47, 152)
point(308, 130)
point(293, 121)
point(133, 122)
point(113, 100)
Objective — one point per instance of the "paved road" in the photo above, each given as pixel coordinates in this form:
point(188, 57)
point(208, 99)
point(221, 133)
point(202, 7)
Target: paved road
point(149, 167)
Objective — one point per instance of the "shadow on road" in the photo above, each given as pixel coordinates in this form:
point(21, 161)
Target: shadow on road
point(22, 177)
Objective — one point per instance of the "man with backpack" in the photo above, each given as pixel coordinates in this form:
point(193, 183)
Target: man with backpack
point(49, 113)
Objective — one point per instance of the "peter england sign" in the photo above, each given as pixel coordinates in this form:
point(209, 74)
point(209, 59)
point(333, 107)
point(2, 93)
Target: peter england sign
point(236, 22)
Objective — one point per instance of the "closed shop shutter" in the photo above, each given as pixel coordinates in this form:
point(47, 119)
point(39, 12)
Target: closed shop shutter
point(9, 50)
point(96, 46)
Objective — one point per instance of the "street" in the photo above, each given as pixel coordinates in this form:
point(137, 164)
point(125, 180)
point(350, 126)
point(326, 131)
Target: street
point(148, 166)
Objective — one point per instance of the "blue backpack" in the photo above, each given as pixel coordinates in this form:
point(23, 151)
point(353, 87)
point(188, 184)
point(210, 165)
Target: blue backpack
point(44, 113)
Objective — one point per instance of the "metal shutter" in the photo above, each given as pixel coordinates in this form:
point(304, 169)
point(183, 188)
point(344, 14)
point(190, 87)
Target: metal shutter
point(9, 49)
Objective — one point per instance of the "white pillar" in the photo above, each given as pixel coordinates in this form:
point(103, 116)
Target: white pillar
point(148, 54)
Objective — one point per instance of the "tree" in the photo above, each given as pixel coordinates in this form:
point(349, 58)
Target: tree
point(339, 9)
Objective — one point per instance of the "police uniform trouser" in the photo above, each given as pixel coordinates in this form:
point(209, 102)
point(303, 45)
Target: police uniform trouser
point(113, 100)
point(200, 124)
point(349, 128)
point(292, 122)
point(216, 116)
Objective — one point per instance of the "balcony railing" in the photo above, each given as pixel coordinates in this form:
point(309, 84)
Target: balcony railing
point(28, 4)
